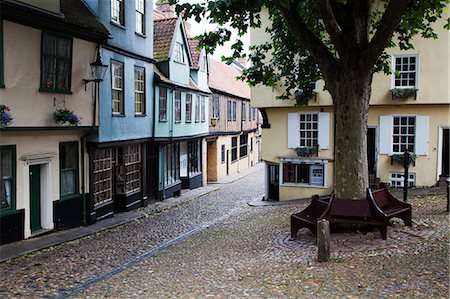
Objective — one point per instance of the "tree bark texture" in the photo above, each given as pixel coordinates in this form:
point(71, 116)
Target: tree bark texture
point(351, 95)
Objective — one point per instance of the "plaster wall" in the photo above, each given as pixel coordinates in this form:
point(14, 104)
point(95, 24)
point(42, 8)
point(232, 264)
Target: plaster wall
point(127, 126)
point(125, 37)
point(29, 107)
point(170, 128)
point(50, 5)
point(179, 72)
point(45, 143)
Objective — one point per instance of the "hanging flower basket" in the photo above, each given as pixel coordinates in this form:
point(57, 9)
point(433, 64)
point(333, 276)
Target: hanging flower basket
point(5, 116)
point(64, 115)
point(403, 93)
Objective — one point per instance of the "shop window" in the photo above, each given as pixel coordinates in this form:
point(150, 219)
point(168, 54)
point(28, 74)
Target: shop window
point(102, 174)
point(303, 174)
point(194, 157)
point(128, 174)
point(171, 163)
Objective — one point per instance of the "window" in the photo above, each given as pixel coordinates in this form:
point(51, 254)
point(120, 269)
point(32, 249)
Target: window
point(117, 87)
point(128, 173)
point(102, 174)
point(250, 113)
point(397, 179)
point(8, 178)
point(233, 149)
point(2, 74)
point(309, 131)
point(197, 108)
point(117, 12)
point(231, 110)
point(403, 133)
point(203, 109)
point(243, 110)
point(202, 63)
point(243, 145)
point(179, 55)
point(171, 163)
point(405, 75)
point(303, 173)
point(215, 113)
point(162, 104)
point(194, 157)
point(139, 90)
point(188, 108)
point(177, 106)
point(68, 169)
point(251, 144)
point(140, 17)
point(222, 160)
point(56, 63)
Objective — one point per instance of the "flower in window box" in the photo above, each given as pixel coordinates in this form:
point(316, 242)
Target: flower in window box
point(5, 116)
point(61, 116)
point(403, 93)
point(398, 158)
point(307, 151)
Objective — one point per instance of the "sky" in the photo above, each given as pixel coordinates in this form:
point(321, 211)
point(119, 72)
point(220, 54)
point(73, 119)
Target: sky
point(205, 26)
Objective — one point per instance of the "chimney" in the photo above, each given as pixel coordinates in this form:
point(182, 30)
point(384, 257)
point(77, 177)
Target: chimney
point(166, 9)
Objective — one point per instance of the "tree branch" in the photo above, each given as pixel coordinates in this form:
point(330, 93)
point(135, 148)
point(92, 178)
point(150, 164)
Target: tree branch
point(390, 20)
point(331, 24)
point(309, 40)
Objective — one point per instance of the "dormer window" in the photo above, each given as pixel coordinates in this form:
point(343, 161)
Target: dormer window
point(179, 55)
point(202, 63)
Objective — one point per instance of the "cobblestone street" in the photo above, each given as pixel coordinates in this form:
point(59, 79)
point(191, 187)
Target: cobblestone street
point(217, 245)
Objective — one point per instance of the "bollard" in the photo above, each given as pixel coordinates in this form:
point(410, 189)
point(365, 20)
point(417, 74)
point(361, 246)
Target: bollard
point(405, 175)
point(323, 240)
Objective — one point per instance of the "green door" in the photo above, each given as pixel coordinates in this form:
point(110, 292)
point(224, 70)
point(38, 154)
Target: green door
point(35, 197)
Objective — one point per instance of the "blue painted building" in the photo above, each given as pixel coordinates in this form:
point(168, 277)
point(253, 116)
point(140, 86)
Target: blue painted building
point(181, 109)
point(119, 151)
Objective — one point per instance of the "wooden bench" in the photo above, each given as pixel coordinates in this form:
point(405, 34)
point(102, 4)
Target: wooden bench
point(390, 206)
point(360, 212)
point(310, 215)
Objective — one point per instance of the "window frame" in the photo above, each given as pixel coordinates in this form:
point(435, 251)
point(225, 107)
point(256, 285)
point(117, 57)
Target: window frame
point(203, 109)
point(243, 145)
point(309, 164)
point(222, 157)
point(12, 208)
point(171, 153)
point(215, 109)
point(121, 91)
point(77, 171)
point(136, 92)
point(102, 176)
point(179, 53)
point(416, 71)
point(400, 135)
point(188, 108)
point(42, 87)
point(197, 108)
point(162, 119)
point(234, 149)
point(141, 13)
point(307, 139)
point(243, 111)
point(121, 21)
point(177, 106)
point(194, 158)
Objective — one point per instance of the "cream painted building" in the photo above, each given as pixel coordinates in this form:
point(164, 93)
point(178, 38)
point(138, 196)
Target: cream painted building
point(419, 123)
point(45, 59)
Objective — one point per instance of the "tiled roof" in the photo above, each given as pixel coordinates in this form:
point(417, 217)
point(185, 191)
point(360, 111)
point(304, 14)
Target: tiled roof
point(77, 13)
point(222, 77)
point(164, 30)
point(193, 44)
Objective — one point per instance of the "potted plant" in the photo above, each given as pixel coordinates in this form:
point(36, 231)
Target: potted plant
point(306, 151)
point(403, 93)
point(398, 158)
point(5, 116)
point(64, 115)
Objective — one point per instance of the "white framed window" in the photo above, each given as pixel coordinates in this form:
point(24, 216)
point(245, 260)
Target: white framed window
point(139, 90)
point(140, 16)
point(203, 107)
point(117, 87)
point(404, 133)
point(117, 12)
point(396, 179)
point(197, 108)
point(179, 53)
point(215, 107)
point(177, 106)
point(102, 176)
point(162, 104)
point(202, 62)
point(188, 108)
point(405, 71)
point(309, 129)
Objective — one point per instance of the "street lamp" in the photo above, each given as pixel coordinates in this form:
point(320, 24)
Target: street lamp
point(98, 70)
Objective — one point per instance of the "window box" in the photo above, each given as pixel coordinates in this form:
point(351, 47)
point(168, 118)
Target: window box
point(402, 94)
point(64, 115)
point(307, 151)
point(398, 158)
point(5, 116)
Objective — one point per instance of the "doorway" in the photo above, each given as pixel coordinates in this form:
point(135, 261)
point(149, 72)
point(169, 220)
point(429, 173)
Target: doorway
point(445, 153)
point(273, 181)
point(372, 152)
point(35, 198)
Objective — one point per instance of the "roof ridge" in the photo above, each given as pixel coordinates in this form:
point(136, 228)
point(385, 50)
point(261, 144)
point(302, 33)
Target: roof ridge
point(165, 19)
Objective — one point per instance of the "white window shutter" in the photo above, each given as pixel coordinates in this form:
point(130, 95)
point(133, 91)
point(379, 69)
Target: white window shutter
point(293, 130)
point(422, 140)
point(324, 130)
point(386, 131)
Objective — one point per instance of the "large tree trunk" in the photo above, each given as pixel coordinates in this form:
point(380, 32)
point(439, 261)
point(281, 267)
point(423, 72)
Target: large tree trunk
point(351, 95)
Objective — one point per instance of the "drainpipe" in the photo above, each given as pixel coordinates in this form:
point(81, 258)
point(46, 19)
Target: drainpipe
point(83, 187)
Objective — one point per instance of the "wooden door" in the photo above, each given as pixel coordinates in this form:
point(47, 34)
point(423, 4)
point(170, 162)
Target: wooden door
point(35, 198)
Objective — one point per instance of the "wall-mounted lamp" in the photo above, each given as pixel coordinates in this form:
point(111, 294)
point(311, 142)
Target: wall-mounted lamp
point(98, 71)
